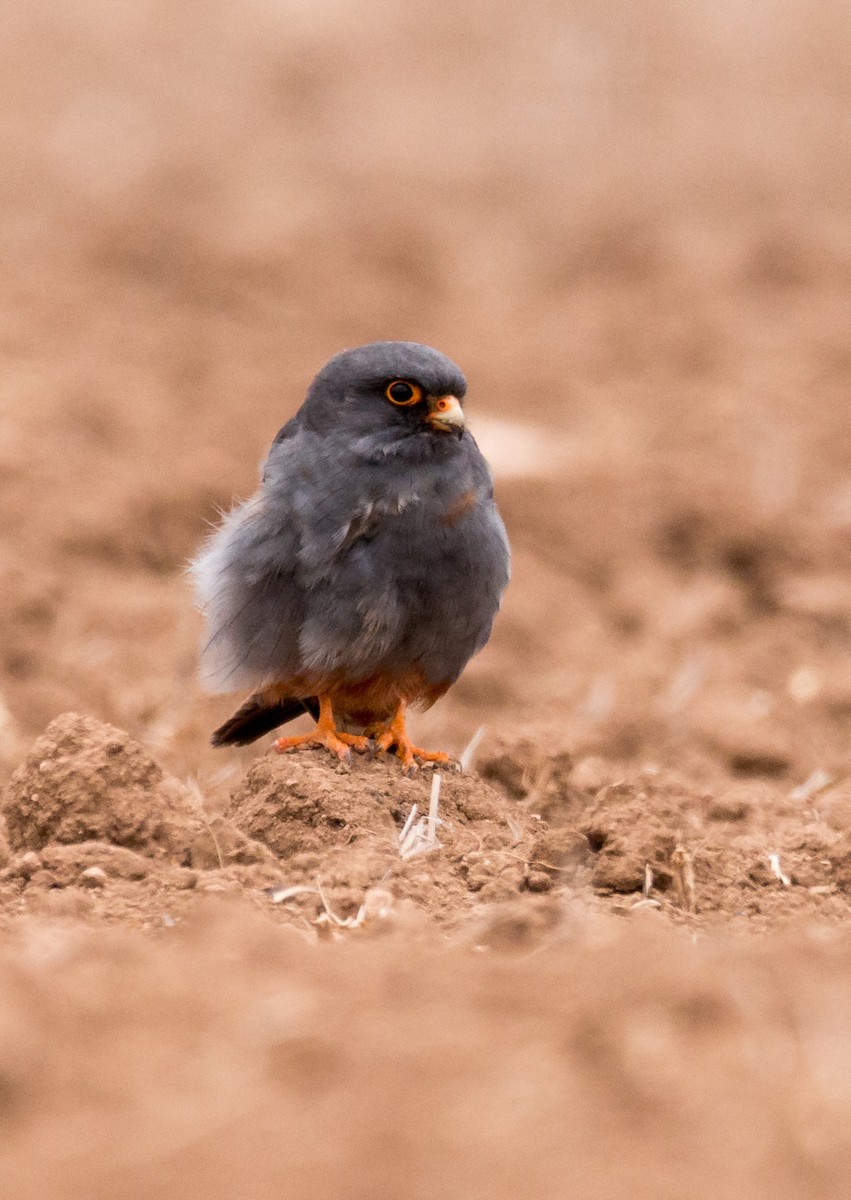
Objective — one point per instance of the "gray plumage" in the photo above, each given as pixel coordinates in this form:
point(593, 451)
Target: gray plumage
point(372, 548)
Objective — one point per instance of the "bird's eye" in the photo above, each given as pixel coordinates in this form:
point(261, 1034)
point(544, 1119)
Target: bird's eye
point(403, 393)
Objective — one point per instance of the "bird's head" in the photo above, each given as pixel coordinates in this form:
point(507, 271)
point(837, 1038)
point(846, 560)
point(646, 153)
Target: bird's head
point(397, 389)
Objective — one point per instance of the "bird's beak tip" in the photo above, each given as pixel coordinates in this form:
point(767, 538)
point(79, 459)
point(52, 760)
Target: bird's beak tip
point(445, 413)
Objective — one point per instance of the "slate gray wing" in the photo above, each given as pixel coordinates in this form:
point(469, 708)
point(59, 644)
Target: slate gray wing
point(273, 563)
point(247, 581)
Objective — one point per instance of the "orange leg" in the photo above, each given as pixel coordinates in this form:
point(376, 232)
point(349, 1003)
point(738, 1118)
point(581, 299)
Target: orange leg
point(325, 734)
point(395, 733)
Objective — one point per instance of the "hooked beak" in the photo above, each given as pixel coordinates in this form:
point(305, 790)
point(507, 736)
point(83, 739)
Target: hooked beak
point(446, 414)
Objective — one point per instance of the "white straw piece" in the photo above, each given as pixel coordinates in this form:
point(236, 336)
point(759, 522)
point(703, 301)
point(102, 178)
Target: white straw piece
point(419, 836)
point(466, 759)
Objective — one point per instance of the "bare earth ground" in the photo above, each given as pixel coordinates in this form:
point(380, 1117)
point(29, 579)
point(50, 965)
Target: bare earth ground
point(624, 969)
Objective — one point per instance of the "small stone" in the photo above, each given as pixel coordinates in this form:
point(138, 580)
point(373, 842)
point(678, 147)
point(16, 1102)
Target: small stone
point(729, 808)
point(760, 873)
point(93, 877)
point(539, 881)
point(26, 866)
point(616, 871)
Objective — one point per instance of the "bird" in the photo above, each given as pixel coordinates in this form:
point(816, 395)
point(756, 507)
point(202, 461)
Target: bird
point(366, 570)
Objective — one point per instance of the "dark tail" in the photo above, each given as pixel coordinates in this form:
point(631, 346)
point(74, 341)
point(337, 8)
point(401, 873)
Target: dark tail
point(258, 716)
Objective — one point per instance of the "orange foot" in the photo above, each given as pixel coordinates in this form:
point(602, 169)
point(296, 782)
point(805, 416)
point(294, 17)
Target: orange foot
point(394, 733)
point(325, 734)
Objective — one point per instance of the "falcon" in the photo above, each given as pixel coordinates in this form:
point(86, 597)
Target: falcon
point(366, 570)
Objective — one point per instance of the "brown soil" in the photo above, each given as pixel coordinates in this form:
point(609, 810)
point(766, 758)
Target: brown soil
point(623, 968)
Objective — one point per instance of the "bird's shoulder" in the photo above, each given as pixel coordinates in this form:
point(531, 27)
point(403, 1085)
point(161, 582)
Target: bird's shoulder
point(289, 444)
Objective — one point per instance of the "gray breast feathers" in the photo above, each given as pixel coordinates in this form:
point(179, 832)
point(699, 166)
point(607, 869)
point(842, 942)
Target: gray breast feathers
point(332, 567)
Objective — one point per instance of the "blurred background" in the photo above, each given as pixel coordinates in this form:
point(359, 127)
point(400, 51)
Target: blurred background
point(627, 222)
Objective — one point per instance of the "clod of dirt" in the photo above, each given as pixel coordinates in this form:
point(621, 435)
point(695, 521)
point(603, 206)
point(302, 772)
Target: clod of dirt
point(632, 829)
point(550, 783)
point(93, 877)
point(735, 803)
point(343, 828)
point(87, 782)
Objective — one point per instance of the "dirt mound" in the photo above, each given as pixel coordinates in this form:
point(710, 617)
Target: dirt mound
point(346, 828)
point(90, 804)
point(84, 780)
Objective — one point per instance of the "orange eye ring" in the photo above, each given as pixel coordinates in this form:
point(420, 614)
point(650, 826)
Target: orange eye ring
point(402, 393)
